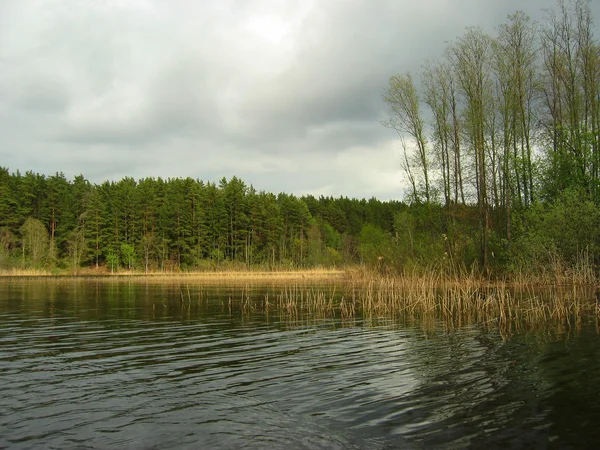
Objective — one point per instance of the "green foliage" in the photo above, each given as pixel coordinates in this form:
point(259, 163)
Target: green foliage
point(34, 241)
point(420, 235)
point(404, 227)
point(7, 244)
point(112, 261)
point(217, 255)
point(185, 224)
point(147, 248)
point(333, 257)
point(375, 245)
point(332, 237)
point(128, 255)
point(562, 229)
point(77, 247)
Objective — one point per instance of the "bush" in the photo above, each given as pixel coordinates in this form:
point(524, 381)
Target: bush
point(559, 231)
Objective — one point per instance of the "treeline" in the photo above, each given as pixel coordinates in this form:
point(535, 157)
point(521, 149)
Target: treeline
point(176, 224)
point(509, 123)
point(151, 224)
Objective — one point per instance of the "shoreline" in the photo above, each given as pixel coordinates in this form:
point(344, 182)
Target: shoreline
point(352, 274)
point(199, 276)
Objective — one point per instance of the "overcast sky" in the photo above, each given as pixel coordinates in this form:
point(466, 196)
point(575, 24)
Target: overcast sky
point(284, 94)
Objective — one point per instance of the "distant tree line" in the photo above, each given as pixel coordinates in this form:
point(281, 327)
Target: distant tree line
point(176, 224)
point(152, 224)
point(509, 124)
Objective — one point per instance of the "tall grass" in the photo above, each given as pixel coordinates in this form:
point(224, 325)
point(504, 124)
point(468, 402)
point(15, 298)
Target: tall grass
point(430, 299)
point(558, 271)
point(429, 296)
point(14, 272)
point(230, 275)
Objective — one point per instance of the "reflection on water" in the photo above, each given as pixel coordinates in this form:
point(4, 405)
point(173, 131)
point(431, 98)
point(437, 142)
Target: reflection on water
point(117, 364)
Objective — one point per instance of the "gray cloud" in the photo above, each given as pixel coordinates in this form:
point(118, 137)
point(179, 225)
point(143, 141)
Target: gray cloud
point(285, 94)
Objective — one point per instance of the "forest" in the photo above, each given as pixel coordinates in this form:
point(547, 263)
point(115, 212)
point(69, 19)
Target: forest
point(177, 224)
point(500, 151)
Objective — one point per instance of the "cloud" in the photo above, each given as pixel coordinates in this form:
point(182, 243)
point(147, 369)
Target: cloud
point(283, 93)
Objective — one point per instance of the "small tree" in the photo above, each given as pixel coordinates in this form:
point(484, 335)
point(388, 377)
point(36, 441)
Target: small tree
point(374, 245)
point(148, 244)
point(77, 247)
point(35, 240)
point(7, 241)
point(128, 254)
point(112, 260)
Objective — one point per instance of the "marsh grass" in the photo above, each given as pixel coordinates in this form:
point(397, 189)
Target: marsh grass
point(13, 272)
point(432, 300)
point(470, 301)
point(558, 272)
point(209, 276)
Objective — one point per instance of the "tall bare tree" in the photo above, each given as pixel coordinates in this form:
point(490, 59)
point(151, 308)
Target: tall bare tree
point(515, 56)
point(471, 56)
point(403, 100)
point(515, 66)
point(435, 82)
point(570, 88)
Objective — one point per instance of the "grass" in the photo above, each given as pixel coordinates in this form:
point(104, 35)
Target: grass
point(557, 272)
point(427, 297)
point(478, 301)
point(26, 273)
point(430, 299)
point(161, 276)
point(312, 274)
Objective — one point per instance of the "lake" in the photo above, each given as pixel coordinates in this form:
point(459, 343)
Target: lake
point(126, 363)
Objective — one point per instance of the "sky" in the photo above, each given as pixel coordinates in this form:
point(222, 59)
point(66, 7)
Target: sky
point(284, 94)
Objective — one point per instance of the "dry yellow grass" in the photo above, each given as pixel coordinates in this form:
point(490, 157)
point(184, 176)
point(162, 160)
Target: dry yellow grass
point(556, 275)
point(244, 276)
point(312, 274)
point(428, 298)
point(431, 300)
point(25, 273)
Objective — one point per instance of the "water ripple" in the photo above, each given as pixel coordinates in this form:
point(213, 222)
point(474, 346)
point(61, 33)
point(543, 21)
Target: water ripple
point(78, 377)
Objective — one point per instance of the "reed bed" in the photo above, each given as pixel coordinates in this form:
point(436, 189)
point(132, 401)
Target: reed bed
point(228, 276)
point(13, 272)
point(454, 302)
point(428, 298)
point(556, 271)
point(510, 307)
point(246, 276)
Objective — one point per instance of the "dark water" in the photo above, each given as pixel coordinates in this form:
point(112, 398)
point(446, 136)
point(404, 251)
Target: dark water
point(106, 364)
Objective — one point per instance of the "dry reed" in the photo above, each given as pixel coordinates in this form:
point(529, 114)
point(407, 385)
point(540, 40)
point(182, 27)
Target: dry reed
point(309, 274)
point(427, 297)
point(431, 298)
point(13, 272)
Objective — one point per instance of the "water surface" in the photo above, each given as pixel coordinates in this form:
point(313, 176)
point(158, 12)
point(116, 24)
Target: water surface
point(128, 364)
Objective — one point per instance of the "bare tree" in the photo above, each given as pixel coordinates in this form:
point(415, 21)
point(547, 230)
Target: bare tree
point(515, 63)
point(570, 89)
point(403, 100)
point(406, 166)
point(472, 64)
point(435, 82)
